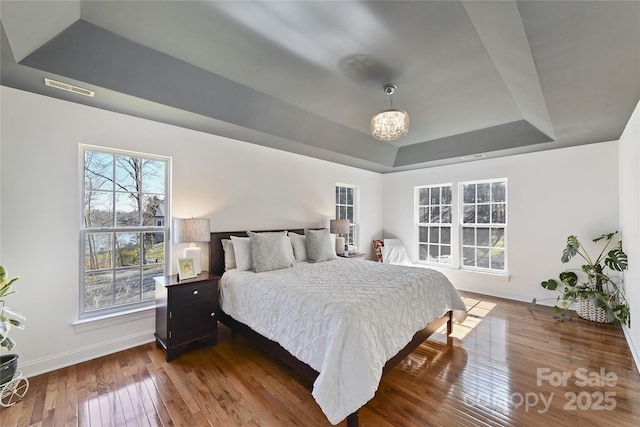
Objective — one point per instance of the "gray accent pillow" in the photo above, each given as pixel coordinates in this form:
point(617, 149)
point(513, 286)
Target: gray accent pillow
point(319, 245)
point(270, 251)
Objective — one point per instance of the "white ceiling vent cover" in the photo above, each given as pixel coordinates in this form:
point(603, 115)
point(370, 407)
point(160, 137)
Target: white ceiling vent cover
point(68, 87)
point(473, 157)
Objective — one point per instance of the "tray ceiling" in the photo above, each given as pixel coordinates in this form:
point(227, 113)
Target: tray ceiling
point(492, 78)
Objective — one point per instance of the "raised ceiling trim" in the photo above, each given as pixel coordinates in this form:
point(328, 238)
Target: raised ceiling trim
point(515, 134)
point(509, 50)
point(88, 53)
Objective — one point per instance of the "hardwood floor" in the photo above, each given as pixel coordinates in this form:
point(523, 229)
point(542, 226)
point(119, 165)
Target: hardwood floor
point(506, 370)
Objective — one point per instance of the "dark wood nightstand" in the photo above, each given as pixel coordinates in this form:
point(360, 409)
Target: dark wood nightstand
point(186, 311)
point(358, 255)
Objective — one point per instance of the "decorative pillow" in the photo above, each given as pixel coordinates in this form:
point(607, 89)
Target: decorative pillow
point(270, 251)
point(298, 242)
point(229, 254)
point(378, 244)
point(320, 247)
point(242, 251)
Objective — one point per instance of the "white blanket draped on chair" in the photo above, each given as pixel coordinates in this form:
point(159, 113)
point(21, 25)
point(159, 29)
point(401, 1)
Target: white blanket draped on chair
point(393, 252)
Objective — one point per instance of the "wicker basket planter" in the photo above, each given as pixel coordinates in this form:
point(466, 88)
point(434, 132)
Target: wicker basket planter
point(598, 280)
point(586, 310)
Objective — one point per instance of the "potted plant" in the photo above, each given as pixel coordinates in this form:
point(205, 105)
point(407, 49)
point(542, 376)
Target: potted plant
point(594, 289)
point(9, 319)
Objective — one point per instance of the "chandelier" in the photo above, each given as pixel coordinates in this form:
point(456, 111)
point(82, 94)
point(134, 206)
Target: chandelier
point(391, 124)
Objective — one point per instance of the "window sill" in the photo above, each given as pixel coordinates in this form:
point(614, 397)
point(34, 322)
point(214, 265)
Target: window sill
point(500, 277)
point(113, 319)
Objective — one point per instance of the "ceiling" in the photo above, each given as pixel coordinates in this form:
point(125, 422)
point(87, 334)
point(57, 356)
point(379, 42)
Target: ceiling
point(477, 78)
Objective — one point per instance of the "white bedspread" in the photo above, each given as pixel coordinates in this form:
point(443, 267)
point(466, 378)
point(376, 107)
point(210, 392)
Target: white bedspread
point(344, 318)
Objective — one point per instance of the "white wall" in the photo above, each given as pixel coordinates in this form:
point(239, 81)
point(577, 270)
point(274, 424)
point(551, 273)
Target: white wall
point(235, 184)
point(630, 223)
point(551, 195)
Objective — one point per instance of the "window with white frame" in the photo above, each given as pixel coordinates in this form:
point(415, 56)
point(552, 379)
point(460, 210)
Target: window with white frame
point(434, 214)
point(484, 225)
point(123, 231)
point(347, 208)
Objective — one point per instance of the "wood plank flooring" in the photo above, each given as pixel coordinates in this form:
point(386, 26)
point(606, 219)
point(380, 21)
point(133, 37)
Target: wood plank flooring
point(504, 369)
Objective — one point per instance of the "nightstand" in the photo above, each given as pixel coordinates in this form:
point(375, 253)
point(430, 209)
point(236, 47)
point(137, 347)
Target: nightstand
point(186, 311)
point(358, 255)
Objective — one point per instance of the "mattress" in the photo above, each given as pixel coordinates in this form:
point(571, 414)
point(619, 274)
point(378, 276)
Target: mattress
point(345, 318)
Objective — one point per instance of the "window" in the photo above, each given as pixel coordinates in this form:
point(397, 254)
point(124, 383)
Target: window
point(347, 208)
point(125, 199)
point(484, 224)
point(434, 212)
point(474, 238)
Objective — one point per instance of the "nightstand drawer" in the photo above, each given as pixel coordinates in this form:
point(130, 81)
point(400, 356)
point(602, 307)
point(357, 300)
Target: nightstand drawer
point(193, 294)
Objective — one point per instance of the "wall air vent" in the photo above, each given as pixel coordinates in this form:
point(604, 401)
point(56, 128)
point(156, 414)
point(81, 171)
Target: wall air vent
point(474, 157)
point(68, 87)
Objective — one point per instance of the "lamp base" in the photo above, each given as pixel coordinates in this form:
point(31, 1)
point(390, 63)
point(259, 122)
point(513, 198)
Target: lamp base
point(339, 245)
point(195, 253)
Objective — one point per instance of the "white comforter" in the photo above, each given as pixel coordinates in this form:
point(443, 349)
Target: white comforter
point(344, 318)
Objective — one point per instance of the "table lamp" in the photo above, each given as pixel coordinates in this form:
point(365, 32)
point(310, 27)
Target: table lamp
point(339, 227)
point(192, 230)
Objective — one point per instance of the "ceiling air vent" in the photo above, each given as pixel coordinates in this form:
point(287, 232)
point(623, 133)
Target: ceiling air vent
point(474, 157)
point(68, 87)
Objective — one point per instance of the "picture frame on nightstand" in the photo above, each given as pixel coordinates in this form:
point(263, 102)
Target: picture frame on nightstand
point(186, 269)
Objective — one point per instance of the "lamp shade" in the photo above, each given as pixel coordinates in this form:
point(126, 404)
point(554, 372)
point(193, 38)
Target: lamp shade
point(191, 230)
point(339, 226)
point(390, 125)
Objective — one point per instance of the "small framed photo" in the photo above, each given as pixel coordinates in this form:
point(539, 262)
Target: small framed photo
point(185, 268)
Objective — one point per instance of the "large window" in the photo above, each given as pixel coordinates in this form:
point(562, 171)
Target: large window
point(434, 213)
point(484, 224)
point(463, 226)
point(123, 233)
point(347, 208)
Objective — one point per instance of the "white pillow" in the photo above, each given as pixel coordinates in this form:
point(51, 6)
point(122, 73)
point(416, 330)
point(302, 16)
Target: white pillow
point(242, 250)
point(298, 242)
point(229, 255)
point(270, 251)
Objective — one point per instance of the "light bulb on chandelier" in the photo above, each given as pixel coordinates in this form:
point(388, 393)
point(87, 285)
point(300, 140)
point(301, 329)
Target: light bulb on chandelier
point(391, 124)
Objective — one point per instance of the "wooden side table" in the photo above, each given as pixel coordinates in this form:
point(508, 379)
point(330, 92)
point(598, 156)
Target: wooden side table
point(186, 311)
point(358, 255)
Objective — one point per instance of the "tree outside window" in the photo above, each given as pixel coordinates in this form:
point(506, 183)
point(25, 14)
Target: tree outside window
point(123, 230)
point(434, 214)
point(478, 241)
point(484, 225)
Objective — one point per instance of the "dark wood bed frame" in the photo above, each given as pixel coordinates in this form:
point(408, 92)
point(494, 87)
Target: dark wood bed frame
point(216, 266)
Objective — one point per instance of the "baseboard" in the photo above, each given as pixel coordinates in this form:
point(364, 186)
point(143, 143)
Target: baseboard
point(62, 360)
point(635, 352)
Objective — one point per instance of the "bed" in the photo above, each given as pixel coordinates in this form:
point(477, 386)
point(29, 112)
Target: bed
point(330, 320)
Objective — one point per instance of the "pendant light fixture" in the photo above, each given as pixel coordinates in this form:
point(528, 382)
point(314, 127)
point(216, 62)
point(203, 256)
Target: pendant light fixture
point(391, 124)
